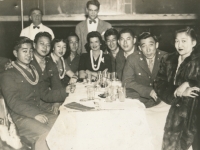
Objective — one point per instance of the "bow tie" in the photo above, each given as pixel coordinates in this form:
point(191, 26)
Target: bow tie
point(92, 20)
point(36, 27)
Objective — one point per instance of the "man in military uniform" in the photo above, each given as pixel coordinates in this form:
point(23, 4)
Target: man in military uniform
point(141, 69)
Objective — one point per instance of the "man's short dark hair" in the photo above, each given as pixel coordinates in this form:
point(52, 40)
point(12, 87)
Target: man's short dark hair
point(111, 31)
point(145, 35)
point(33, 9)
point(41, 34)
point(126, 30)
point(22, 40)
point(93, 2)
point(72, 34)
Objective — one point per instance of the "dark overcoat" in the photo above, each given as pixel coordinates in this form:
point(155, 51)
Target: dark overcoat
point(180, 126)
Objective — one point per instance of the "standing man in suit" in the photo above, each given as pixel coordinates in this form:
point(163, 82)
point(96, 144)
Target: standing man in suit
point(141, 69)
point(117, 54)
point(36, 25)
point(92, 23)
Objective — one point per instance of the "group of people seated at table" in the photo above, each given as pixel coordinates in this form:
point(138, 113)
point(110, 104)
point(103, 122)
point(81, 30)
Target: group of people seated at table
point(39, 80)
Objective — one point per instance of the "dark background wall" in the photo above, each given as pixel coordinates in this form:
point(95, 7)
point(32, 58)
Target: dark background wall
point(9, 33)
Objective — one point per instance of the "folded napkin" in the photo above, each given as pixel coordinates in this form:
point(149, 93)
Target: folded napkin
point(77, 106)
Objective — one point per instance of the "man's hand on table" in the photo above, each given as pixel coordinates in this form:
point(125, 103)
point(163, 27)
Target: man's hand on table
point(73, 79)
point(55, 108)
point(153, 95)
point(41, 118)
point(71, 88)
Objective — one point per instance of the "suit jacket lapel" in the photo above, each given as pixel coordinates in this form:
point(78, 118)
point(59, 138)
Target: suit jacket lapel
point(99, 26)
point(85, 27)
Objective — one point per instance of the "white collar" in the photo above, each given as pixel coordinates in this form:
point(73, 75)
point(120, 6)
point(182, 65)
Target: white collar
point(96, 19)
point(40, 25)
point(151, 59)
point(39, 58)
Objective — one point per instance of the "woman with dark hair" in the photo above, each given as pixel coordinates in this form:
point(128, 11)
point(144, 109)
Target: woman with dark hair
point(94, 60)
point(177, 83)
point(56, 59)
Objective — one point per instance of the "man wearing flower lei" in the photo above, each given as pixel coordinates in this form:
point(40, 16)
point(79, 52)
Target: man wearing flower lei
point(20, 89)
point(51, 89)
point(94, 60)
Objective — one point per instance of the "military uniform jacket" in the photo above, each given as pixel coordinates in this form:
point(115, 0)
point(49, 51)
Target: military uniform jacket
point(21, 97)
point(138, 78)
point(49, 83)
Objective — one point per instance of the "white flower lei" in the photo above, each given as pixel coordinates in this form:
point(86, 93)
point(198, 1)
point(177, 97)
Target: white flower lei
point(25, 76)
point(63, 62)
point(99, 62)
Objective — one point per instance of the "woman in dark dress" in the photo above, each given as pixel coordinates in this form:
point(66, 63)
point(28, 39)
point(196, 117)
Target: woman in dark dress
point(177, 84)
point(94, 60)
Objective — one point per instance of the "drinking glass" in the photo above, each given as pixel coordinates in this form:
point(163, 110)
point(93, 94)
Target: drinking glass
point(90, 92)
point(122, 94)
point(114, 76)
point(89, 79)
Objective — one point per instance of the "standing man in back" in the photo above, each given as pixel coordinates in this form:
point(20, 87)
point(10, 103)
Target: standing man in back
point(36, 25)
point(92, 23)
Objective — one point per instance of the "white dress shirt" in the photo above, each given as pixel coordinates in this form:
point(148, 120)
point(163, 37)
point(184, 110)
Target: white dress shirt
point(92, 26)
point(30, 32)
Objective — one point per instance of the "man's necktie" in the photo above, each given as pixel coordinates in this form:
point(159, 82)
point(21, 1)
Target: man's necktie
point(151, 65)
point(29, 70)
point(92, 20)
point(36, 27)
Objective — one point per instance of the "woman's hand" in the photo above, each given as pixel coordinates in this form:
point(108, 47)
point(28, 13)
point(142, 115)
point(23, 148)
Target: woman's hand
point(190, 92)
point(179, 91)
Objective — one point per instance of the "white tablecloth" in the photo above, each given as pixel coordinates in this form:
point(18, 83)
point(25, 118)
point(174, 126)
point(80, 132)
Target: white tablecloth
point(116, 126)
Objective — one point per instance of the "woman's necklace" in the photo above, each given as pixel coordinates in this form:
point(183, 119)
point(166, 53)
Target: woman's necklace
point(25, 76)
point(63, 64)
point(94, 67)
